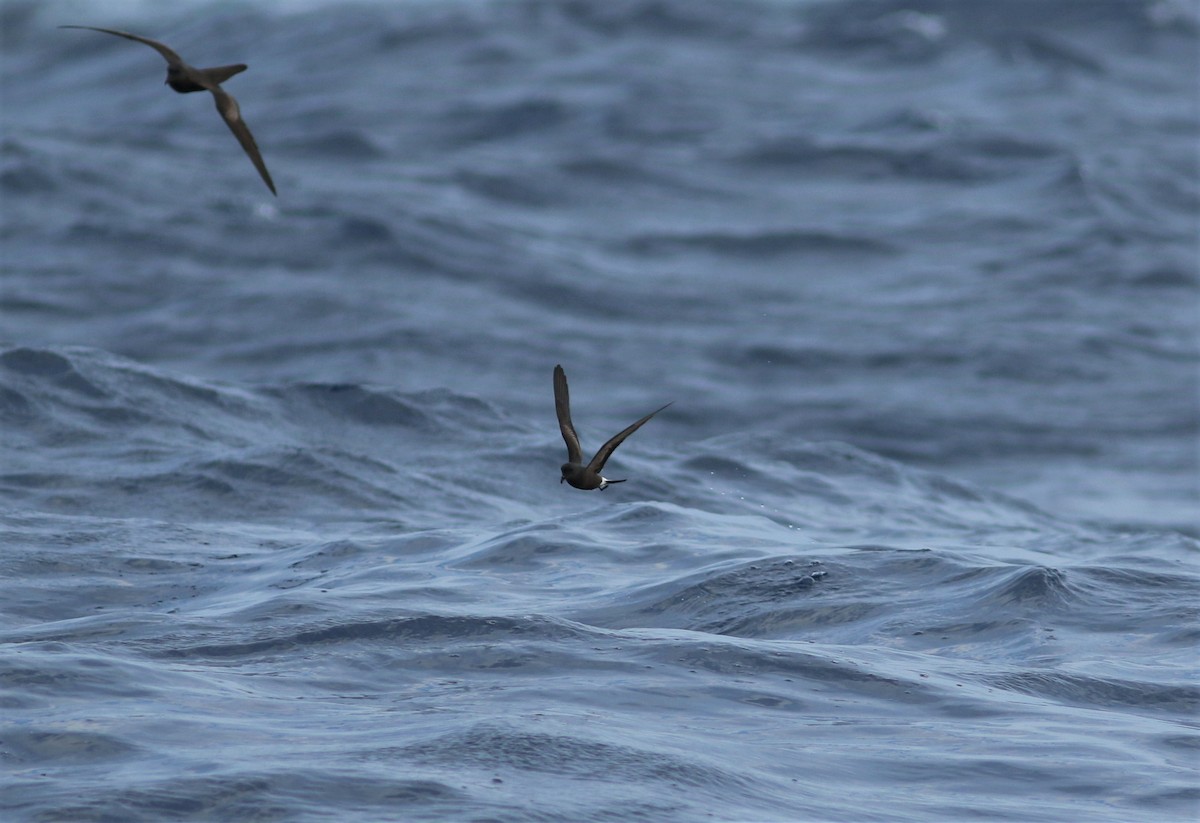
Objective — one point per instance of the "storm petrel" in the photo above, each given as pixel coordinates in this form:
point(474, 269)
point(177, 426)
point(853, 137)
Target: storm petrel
point(573, 471)
point(184, 78)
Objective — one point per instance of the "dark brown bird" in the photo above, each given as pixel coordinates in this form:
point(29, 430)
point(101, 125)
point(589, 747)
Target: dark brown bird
point(184, 78)
point(573, 471)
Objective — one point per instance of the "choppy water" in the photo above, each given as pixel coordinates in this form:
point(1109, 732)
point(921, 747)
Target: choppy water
point(282, 532)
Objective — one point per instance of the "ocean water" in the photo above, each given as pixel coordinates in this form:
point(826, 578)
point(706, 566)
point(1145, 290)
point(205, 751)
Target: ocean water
point(281, 532)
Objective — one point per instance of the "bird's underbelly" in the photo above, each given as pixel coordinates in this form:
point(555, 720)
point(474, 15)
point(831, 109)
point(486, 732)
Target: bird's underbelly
point(185, 86)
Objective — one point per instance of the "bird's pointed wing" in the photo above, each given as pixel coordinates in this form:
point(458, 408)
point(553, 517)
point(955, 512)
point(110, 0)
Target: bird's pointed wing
point(562, 406)
point(617, 439)
point(168, 55)
point(232, 115)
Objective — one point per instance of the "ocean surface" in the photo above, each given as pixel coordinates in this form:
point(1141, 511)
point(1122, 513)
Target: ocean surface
point(282, 536)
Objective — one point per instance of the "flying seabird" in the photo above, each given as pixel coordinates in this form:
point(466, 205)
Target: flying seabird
point(573, 471)
point(184, 78)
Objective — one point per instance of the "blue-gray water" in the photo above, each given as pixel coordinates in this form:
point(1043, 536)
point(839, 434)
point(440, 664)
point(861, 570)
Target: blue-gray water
point(282, 533)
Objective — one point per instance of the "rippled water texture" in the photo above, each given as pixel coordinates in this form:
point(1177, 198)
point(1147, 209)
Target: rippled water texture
point(281, 533)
